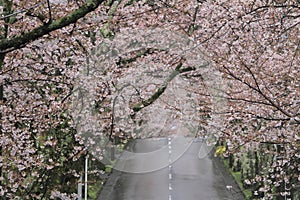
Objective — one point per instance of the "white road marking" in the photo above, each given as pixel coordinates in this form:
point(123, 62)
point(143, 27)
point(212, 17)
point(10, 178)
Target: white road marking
point(170, 167)
point(170, 186)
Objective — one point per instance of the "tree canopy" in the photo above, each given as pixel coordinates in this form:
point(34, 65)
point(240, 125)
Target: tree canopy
point(253, 44)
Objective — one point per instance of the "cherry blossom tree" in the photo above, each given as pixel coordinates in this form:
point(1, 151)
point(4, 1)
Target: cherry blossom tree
point(41, 48)
point(255, 44)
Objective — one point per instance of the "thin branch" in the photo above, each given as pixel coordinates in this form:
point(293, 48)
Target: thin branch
point(49, 9)
point(213, 34)
point(7, 82)
point(246, 100)
point(271, 6)
point(191, 28)
point(272, 103)
point(38, 16)
point(114, 105)
point(21, 11)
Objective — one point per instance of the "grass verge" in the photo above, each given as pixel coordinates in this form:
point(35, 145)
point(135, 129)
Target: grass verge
point(238, 178)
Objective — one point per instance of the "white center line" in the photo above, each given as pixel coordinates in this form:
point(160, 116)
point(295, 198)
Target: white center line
point(170, 186)
point(170, 167)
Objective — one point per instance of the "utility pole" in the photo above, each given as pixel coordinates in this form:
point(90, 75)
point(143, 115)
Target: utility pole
point(86, 177)
point(79, 188)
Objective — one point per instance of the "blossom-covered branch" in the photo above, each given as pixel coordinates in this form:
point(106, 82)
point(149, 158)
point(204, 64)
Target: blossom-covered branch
point(10, 44)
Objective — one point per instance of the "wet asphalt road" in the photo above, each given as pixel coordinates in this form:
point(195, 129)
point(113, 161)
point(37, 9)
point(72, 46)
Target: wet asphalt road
point(193, 175)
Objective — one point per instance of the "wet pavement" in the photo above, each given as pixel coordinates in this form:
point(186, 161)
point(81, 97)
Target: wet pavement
point(174, 172)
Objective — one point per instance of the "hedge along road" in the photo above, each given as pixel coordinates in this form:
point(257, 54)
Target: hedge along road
point(191, 177)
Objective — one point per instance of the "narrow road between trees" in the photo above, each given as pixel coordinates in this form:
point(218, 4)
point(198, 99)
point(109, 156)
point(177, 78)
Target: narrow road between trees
point(191, 174)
